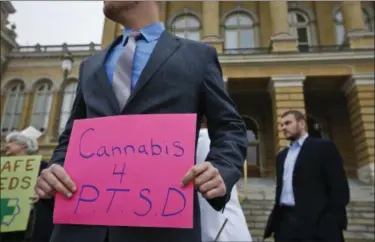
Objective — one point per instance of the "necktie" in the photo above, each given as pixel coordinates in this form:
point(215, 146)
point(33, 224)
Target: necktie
point(123, 72)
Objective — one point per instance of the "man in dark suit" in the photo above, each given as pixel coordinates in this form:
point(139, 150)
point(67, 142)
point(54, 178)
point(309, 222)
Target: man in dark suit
point(168, 75)
point(312, 190)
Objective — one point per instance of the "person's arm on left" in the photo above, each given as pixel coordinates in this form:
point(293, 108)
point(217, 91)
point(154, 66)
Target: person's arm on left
point(203, 147)
point(216, 177)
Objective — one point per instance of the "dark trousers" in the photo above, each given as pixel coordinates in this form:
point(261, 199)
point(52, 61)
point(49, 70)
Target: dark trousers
point(288, 227)
point(291, 228)
point(42, 226)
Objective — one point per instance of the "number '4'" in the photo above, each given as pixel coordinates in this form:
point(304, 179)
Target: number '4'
point(121, 173)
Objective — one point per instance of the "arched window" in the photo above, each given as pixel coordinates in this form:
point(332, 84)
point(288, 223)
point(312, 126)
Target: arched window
point(187, 26)
point(299, 26)
point(239, 31)
point(67, 103)
point(13, 107)
point(339, 27)
point(252, 155)
point(368, 18)
point(42, 105)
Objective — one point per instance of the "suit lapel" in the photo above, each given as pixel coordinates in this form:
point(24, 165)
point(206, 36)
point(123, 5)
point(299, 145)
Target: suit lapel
point(107, 88)
point(100, 76)
point(165, 47)
point(302, 153)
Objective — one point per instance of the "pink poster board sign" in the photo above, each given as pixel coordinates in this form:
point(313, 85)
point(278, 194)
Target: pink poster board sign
point(128, 171)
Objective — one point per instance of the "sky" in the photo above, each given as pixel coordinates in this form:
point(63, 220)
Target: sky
point(56, 22)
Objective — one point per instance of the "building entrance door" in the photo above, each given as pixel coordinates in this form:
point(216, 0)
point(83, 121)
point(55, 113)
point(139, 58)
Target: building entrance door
point(252, 164)
point(314, 127)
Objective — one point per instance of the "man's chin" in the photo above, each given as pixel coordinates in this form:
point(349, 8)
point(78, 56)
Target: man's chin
point(113, 10)
point(109, 10)
point(289, 138)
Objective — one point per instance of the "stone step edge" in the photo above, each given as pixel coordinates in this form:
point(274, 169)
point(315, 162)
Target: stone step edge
point(352, 221)
point(271, 198)
point(348, 209)
point(258, 232)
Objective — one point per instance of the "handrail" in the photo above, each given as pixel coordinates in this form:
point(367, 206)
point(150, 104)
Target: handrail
point(245, 179)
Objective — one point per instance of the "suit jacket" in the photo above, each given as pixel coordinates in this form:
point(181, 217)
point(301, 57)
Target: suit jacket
point(320, 188)
point(181, 76)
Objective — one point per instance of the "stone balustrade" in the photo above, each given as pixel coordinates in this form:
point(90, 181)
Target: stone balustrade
point(57, 48)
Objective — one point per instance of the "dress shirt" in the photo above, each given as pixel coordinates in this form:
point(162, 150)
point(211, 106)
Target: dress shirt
point(144, 47)
point(287, 195)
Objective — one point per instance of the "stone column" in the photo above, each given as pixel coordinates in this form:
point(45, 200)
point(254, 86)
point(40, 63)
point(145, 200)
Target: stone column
point(211, 24)
point(109, 32)
point(286, 94)
point(28, 102)
point(163, 11)
point(360, 95)
point(281, 39)
point(355, 25)
point(352, 16)
point(53, 120)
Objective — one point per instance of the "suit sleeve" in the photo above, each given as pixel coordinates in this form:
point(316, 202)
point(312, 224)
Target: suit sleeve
point(336, 180)
point(78, 112)
point(226, 128)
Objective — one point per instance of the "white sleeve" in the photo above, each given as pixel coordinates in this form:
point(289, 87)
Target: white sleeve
point(203, 147)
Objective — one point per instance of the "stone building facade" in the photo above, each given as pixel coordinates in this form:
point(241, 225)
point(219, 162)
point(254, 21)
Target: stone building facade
point(8, 34)
point(317, 57)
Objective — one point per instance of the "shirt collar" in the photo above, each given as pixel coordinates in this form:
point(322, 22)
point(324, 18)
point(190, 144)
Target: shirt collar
point(150, 33)
point(299, 142)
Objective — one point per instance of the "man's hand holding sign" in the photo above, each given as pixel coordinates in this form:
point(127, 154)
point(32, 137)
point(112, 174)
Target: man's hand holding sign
point(54, 179)
point(141, 178)
point(207, 180)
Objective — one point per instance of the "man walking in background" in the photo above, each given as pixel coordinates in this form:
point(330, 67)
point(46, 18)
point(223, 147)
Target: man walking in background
point(312, 190)
point(149, 71)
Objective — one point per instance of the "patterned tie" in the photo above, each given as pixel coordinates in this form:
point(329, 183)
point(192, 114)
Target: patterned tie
point(122, 76)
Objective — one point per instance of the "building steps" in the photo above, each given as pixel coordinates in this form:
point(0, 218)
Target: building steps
point(360, 219)
point(258, 202)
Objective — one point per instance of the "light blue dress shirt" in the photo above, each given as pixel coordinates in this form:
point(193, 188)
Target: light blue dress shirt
point(287, 195)
point(144, 47)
